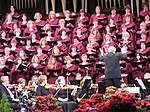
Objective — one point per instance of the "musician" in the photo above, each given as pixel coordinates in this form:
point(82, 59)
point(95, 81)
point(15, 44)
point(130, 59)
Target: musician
point(42, 81)
point(86, 89)
point(5, 90)
point(63, 94)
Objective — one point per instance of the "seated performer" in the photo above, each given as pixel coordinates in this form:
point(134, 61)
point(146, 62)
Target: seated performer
point(63, 93)
point(41, 91)
point(5, 90)
point(86, 89)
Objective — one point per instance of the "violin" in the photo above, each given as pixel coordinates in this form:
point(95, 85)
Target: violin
point(15, 86)
point(50, 86)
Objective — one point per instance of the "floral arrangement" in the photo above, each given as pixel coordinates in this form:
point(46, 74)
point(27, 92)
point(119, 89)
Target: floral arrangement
point(115, 100)
point(46, 104)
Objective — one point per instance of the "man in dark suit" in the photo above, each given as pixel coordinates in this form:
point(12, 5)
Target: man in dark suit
point(112, 66)
point(5, 90)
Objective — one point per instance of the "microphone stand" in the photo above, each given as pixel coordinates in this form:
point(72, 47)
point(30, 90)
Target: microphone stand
point(68, 74)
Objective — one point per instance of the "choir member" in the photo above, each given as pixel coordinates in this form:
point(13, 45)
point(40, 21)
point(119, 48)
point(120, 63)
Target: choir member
point(99, 27)
point(108, 31)
point(98, 15)
point(82, 26)
point(143, 38)
point(7, 25)
point(138, 67)
point(52, 20)
point(126, 39)
point(95, 33)
point(93, 43)
point(127, 9)
point(14, 26)
point(38, 23)
point(41, 90)
point(35, 68)
point(144, 50)
point(144, 12)
point(130, 25)
point(78, 45)
point(61, 26)
point(86, 89)
point(68, 20)
point(74, 55)
point(147, 22)
point(91, 53)
point(23, 22)
point(5, 39)
point(113, 25)
point(117, 17)
point(50, 38)
point(30, 28)
point(43, 57)
point(14, 14)
point(85, 67)
point(65, 38)
point(34, 39)
point(14, 49)
point(4, 69)
point(53, 70)
point(57, 54)
point(23, 56)
point(82, 37)
point(29, 49)
point(108, 41)
point(45, 48)
point(62, 47)
point(69, 69)
point(10, 59)
point(82, 17)
point(19, 70)
point(19, 38)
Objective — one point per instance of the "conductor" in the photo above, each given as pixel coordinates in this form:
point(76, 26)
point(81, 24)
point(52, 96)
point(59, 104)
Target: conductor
point(112, 66)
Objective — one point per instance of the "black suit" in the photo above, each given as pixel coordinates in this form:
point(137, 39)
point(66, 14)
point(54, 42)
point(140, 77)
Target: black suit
point(112, 68)
point(13, 105)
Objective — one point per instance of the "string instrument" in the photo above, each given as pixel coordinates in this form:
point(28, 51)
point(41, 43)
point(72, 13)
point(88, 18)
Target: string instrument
point(50, 86)
point(15, 86)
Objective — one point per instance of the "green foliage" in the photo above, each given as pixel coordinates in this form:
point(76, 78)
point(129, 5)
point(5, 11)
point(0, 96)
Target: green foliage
point(4, 104)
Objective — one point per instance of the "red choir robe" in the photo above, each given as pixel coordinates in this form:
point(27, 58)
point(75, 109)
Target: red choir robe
point(43, 59)
point(53, 23)
point(84, 20)
point(86, 69)
point(72, 70)
point(27, 32)
point(142, 14)
point(117, 18)
point(101, 19)
point(53, 73)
